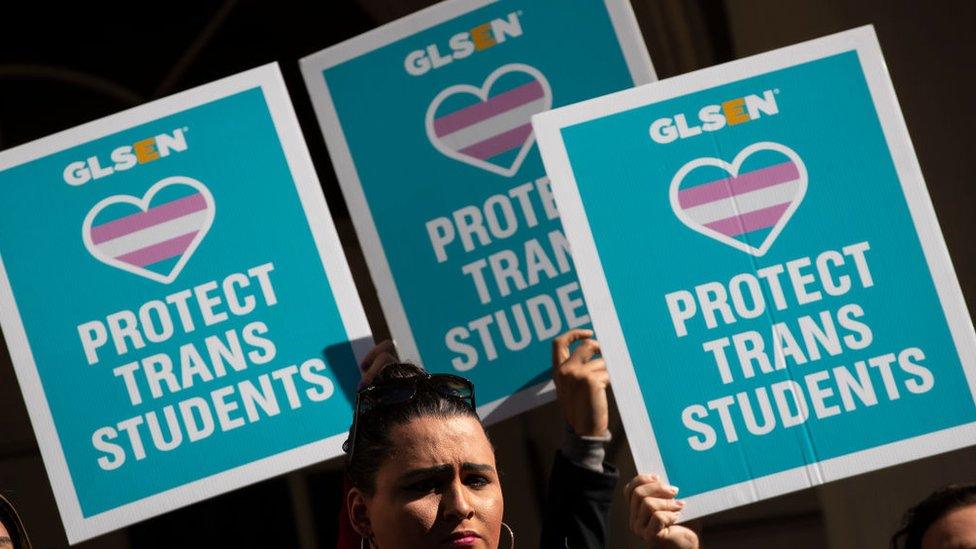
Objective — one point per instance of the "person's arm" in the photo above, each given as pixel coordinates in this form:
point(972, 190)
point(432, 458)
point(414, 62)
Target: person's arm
point(582, 484)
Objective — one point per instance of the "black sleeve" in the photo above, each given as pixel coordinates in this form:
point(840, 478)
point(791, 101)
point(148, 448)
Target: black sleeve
point(577, 509)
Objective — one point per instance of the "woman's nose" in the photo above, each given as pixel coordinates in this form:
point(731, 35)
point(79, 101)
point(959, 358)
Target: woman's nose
point(456, 502)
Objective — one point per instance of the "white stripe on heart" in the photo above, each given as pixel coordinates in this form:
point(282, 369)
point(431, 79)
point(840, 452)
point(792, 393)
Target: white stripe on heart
point(155, 234)
point(496, 125)
point(744, 203)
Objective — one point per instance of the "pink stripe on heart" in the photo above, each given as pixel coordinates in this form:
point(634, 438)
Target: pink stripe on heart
point(153, 216)
point(507, 141)
point(743, 183)
point(515, 97)
point(159, 252)
point(752, 221)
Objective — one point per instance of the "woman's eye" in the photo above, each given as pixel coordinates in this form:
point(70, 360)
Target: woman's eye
point(477, 481)
point(423, 486)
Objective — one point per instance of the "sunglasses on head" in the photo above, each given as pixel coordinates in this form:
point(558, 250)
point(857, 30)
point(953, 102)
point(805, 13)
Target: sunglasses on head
point(404, 390)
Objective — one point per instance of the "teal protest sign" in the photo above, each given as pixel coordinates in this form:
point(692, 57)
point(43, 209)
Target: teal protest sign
point(178, 308)
point(765, 272)
point(427, 120)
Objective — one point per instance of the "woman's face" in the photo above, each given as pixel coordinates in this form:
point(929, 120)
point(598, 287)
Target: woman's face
point(439, 489)
point(5, 541)
point(956, 530)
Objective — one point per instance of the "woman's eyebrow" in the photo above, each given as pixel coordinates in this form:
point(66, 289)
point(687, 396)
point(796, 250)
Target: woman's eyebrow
point(425, 472)
point(482, 467)
point(416, 474)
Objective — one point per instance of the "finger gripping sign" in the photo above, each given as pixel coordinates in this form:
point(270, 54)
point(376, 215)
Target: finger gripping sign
point(765, 272)
point(170, 277)
point(427, 120)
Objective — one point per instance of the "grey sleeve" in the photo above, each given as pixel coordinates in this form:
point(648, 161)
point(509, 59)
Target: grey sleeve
point(587, 452)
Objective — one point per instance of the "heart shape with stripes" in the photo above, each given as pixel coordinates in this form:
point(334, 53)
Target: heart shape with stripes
point(745, 204)
point(490, 127)
point(153, 236)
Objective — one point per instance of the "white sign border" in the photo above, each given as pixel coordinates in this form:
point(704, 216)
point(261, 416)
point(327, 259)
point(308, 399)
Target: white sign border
point(641, 71)
point(637, 423)
point(269, 79)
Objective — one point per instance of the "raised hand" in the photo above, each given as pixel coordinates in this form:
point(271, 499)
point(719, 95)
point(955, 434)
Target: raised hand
point(375, 360)
point(581, 383)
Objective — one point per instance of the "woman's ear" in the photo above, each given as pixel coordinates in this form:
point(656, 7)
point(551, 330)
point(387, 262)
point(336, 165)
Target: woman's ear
point(358, 503)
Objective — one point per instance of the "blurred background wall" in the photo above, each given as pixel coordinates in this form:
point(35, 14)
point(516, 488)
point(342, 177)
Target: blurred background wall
point(61, 65)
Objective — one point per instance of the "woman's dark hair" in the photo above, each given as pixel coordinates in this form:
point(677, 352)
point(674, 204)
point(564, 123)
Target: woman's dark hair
point(918, 519)
point(373, 444)
point(11, 521)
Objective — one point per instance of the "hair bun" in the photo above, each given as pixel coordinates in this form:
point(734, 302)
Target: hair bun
point(396, 371)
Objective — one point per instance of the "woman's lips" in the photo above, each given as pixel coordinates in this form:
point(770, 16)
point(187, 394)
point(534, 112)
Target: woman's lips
point(464, 538)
